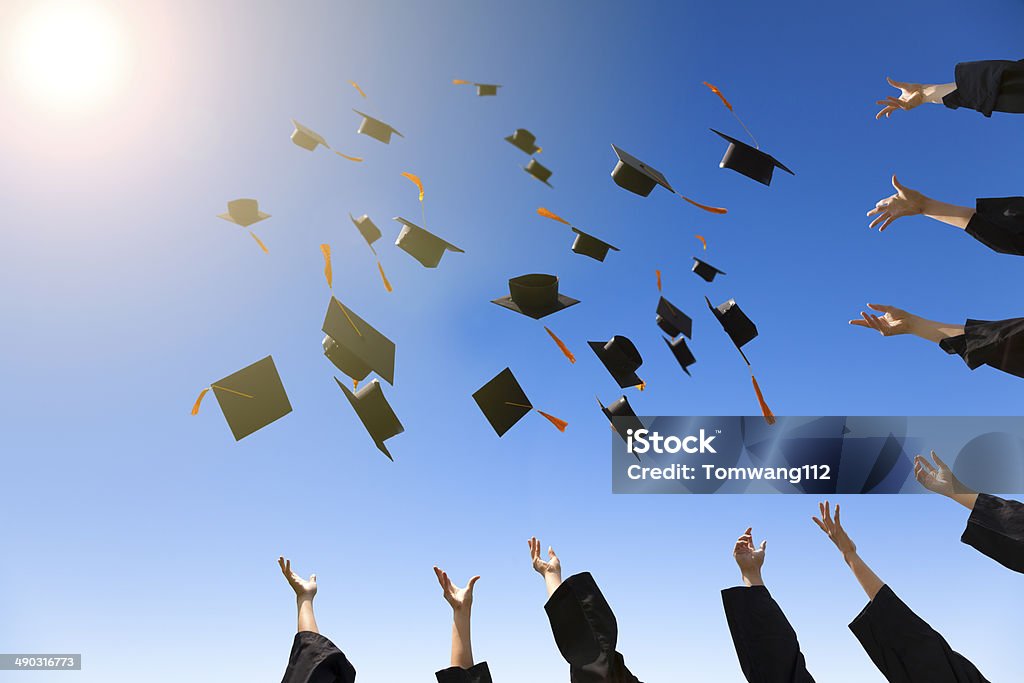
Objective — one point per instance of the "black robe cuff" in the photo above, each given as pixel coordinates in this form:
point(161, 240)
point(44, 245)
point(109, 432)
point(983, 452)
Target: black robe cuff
point(999, 224)
point(996, 528)
point(999, 344)
point(766, 644)
point(905, 648)
point(315, 659)
point(586, 632)
point(478, 673)
point(988, 86)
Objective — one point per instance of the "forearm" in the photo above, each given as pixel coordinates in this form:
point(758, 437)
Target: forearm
point(552, 580)
point(307, 622)
point(934, 93)
point(867, 579)
point(951, 214)
point(462, 644)
point(935, 331)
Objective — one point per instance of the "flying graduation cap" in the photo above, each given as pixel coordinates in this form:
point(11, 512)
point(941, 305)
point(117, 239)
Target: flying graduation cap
point(634, 175)
point(306, 137)
point(681, 352)
point(245, 212)
point(621, 358)
point(424, 246)
point(355, 347)
point(376, 129)
point(366, 227)
point(535, 296)
point(538, 171)
point(585, 244)
point(671, 320)
point(621, 417)
point(741, 330)
point(504, 403)
point(705, 271)
point(741, 157)
point(374, 411)
point(250, 399)
point(524, 140)
point(482, 89)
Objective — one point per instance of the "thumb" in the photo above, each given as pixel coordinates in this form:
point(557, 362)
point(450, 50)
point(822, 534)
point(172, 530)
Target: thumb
point(472, 582)
point(896, 84)
point(938, 461)
point(312, 577)
point(551, 553)
point(764, 544)
point(897, 184)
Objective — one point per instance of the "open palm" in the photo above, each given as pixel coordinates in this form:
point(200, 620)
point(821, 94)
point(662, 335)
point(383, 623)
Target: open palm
point(748, 556)
point(937, 478)
point(911, 96)
point(893, 321)
point(458, 598)
point(302, 587)
point(833, 528)
point(905, 202)
point(551, 566)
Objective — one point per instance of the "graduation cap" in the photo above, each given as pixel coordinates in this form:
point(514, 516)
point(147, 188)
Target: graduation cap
point(741, 330)
point(671, 320)
point(538, 171)
point(749, 161)
point(244, 212)
point(524, 140)
point(621, 416)
point(250, 399)
point(588, 245)
point(306, 137)
point(482, 89)
point(535, 295)
point(634, 175)
point(705, 271)
point(375, 413)
point(620, 358)
point(682, 352)
point(424, 246)
point(504, 403)
point(370, 232)
point(376, 129)
point(356, 348)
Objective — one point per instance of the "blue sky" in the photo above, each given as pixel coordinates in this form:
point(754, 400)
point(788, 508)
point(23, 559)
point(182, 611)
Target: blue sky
point(144, 537)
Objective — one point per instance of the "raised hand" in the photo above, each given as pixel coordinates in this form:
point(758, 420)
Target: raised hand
point(911, 95)
point(459, 598)
point(893, 321)
point(833, 528)
point(304, 588)
point(749, 558)
point(545, 568)
point(905, 202)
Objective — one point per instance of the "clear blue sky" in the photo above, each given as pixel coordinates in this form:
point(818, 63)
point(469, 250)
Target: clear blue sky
point(146, 539)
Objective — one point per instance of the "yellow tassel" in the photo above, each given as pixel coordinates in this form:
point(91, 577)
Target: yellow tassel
point(387, 285)
point(459, 81)
point(199, 400)
point(328, 273)
point(416, 180)
point(769, 417)
point(641, 386)
point(345, 156)
point(356, 86)
point(558, 422)
point(355, 384)
point(259, 242)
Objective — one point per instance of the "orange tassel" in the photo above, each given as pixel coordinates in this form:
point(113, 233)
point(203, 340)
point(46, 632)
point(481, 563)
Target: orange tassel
point(356, 86)
point(769, 417)
point(548, 214)
point(416, 180)
point(559, 423)
point(641, 386)
point(328, 273)
point(199, 400)
point(720, 95)
point(387, 285)
point(565, 349)
point(702, 241)
point(658, 273)
point(459, 81)
point(259, 242)
point(355, 384)
point(709, 209)
point(345, 156)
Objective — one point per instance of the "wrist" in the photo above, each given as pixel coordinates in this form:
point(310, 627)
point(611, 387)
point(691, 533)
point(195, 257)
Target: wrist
point(752, 577)
point(304, 597)
point(850, 556)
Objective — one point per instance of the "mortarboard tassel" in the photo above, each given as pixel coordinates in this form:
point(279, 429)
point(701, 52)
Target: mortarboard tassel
point(348, 318)
point(548, 214)
point(561, 344)
point(641, 386)
point(328, 273)
point(387, 285)
point(769, 417)
point(259, 242)
point(356, 86)
point(702, 241)
point(559, 423)
point(355, 384)
point(345, 156)
point(658, 274)
point(199, 401)
point(419, 183)
point(709, 209)
point(729, 107)
point(459, 81)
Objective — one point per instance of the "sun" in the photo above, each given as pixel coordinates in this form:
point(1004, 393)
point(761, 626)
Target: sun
point(69, 55)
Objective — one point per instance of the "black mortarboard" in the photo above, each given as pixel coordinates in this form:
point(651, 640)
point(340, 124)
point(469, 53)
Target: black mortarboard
point(367, 228)
point(503, 401)
point(376, 129)
point(485, 89)
point(736, 324)
point(524, 140)
point(682, 352)
point(538, 171)
point(705, 271)
point(374, 412)
point(636, 176)
point(535, 295)
point(619, 411)
point(424, 246)
point(621, 358)
point(671, 320)
point(354, 346)
point(252, 398)
point(588, 245)
point(749, 161)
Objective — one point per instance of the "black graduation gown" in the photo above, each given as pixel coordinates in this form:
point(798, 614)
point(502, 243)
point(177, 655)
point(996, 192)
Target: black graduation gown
point(766, 644)
point(478, 673)
point(999, 344)
point(905, 648)
point(315, 659)
point(996, 528)
point(586, 632)
point(999, 224)
point(996, 85)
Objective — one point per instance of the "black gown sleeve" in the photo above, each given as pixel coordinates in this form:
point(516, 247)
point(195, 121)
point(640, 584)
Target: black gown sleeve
point(766, 643)
point(478, 673)
point(999, 344)
point(996, 528)
point(315, 659)
point(905, 648)
point(999, 224)
point(996, 85)
point(586, 632)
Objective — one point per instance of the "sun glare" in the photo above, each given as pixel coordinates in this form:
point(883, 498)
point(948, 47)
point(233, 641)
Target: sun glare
point(69, 55)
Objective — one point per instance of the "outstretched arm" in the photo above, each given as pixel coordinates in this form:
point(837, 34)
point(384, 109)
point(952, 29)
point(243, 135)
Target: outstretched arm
point(551, 570)
point(939, 478)
point(908, 202)
point(461, 601)
point(833, 528)
point(895, 321)
point(305, 591)
point(749, 558)
point(913, 95)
